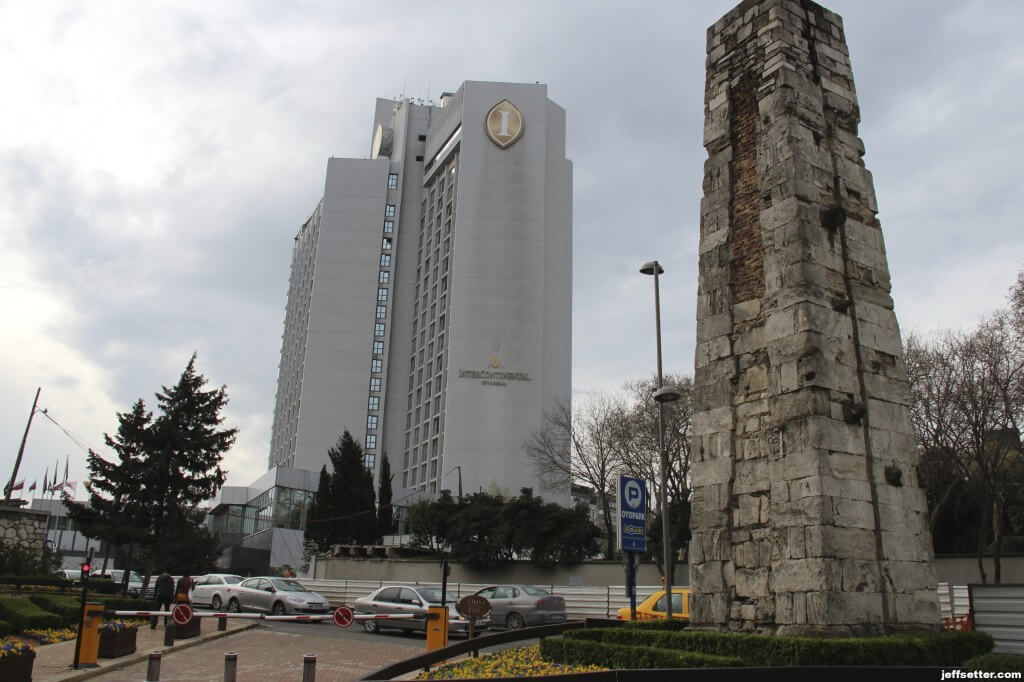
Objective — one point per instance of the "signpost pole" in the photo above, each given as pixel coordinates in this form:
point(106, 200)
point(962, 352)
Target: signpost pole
point(631, 583)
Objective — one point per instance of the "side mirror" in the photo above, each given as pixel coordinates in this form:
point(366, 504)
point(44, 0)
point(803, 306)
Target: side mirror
point(271, 589)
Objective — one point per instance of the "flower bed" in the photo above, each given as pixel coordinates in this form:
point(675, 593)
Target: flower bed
point(523, 662)
point(51, 635)
point(16, 659)
point(117, 638)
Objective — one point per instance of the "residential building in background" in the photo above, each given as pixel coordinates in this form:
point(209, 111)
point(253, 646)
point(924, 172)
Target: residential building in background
point(430, 301)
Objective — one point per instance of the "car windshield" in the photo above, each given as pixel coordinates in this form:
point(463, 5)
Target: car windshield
point(534, 591)
point(288, 586)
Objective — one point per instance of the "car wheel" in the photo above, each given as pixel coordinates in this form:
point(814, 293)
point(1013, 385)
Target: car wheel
point(216, 603)
point(514, 621)
point(278, 608)
point(370, 625)
point(234, 606)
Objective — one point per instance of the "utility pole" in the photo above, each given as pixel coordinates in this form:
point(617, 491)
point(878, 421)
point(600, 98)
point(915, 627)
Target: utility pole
point(21, 450)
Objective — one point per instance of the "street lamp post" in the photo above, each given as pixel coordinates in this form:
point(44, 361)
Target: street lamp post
point(663, 394)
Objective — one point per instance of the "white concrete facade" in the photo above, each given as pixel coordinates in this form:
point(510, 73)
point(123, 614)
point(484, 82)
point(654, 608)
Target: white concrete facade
point(430, 302)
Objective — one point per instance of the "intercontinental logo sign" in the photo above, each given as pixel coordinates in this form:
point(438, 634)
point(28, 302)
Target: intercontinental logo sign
point(494, 376)
point(504, 124)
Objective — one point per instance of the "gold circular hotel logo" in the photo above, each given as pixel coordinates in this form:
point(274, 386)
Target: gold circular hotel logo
point(504, 124)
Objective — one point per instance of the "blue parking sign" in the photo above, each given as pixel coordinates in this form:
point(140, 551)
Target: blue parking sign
point(632, 514)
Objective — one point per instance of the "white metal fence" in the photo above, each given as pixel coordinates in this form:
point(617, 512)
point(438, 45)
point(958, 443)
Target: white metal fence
point(999, 611)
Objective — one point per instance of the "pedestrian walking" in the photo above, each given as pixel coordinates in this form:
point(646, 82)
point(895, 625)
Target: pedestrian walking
point(183, 590)
point(163, 592)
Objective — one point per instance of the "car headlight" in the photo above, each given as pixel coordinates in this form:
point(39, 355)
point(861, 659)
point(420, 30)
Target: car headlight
point(296, 600)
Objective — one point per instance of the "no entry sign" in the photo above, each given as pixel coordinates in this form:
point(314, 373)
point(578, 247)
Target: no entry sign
point(182, 614)
point(343, 616)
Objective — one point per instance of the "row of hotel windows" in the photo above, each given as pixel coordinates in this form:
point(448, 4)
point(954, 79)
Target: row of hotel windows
point(377, 362)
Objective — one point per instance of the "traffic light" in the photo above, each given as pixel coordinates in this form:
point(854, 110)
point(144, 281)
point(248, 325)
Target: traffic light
point(85, 571)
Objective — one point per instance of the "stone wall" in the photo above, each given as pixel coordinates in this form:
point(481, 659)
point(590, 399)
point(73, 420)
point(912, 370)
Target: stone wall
point(807, 514)
point(23, 527)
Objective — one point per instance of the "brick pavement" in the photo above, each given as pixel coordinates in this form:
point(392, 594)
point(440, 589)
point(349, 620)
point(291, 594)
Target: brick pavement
point(263, 654)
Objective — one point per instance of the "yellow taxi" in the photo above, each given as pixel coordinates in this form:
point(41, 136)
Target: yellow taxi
point(653, 606)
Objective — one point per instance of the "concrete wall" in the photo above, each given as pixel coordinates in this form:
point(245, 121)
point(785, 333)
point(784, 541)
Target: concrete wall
point(957, 571)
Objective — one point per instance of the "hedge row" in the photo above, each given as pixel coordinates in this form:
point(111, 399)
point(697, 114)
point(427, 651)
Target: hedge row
point(68, 608)
point(24, 615)
point(995, 663)
point(5, 628)
point(620, 656)
point(926, 649)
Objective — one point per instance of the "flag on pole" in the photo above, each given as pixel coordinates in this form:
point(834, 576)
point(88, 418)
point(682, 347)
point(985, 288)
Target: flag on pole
point(32, 487)
point(46, 484)
point(73, 485)
point(66, 460)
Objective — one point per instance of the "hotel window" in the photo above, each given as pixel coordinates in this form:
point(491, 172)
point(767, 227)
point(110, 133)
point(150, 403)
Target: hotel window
point(369, 461)
point(392, 180)
point(371, 441)
point(371, 422)
point(382, 312)
point(385, 260)
point(384, 276)
point(376, 365)
point(374, 403)
point(386, 244)
point(389, 210)
point(378, 329)
point(375, 384)
point(378, 347)
point(389, 226)
point(382, 294)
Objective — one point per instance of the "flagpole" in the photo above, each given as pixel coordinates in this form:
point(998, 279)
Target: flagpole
point(21, 449)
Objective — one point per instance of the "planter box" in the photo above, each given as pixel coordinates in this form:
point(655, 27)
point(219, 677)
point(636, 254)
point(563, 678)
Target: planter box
point(115, 643)
point(190, 629)
point(17, 668)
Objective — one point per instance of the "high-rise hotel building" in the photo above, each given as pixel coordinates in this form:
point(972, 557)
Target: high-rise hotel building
point(430, 301)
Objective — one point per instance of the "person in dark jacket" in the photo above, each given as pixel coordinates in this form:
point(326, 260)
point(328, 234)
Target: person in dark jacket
point(163, 592)
point(183, 590)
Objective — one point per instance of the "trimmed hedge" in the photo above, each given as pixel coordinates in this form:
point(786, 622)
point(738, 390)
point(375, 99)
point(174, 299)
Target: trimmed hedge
point(5, 628)
point(928, 649)
point(674, 625)
point(619, 656)
point(996, 663)
point(68, 608)
point(24, 615)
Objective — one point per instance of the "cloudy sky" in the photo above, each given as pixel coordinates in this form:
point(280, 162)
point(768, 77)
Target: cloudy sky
point(156, 159)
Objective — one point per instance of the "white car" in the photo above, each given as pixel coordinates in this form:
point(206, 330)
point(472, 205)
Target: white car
point(214, 589)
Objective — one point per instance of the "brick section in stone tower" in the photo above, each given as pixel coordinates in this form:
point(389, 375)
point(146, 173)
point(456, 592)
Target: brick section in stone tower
point(807, 514)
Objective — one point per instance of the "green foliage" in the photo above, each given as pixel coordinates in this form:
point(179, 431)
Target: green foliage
point(166, 465)
point(929, 649)
point(476, 536)
point(619, 656)
point(5, 628)
point(385, 513)
point(68, 608)
point(186, 547)
point(22, 614)
point(995, 663)
point(18, 560)
point(430, 523)
point(344, 513)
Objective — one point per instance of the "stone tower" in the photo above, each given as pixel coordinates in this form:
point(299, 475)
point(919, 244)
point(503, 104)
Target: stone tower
point(807, 514)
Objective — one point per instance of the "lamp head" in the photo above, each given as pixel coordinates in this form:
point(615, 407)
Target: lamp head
point(649, 268)
point(667, 394)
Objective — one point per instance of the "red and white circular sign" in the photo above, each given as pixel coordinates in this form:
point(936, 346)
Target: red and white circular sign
point(343, 616)
point(182, 614)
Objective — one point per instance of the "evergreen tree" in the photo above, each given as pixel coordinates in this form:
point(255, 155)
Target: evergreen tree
point(385, 520)
point(317, 526)
point(351, 508)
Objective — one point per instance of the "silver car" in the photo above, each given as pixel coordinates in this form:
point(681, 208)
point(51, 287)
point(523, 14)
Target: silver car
point(395, 600)
point(214, 589)
point(279, 596)
point(514, 606)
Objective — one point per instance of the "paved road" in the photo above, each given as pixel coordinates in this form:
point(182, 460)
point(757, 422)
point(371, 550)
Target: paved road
point(274, 652)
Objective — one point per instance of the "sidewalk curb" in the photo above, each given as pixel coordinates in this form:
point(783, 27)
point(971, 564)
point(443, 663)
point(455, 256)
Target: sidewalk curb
point(126, 661)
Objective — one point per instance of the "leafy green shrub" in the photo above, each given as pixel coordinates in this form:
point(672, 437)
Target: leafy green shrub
point(928, 649)
point(673, 625)
point(68, 608)
point(24, 615)
point(995, 663)
point(5, 628)
point(617, 656)
point(115, 603)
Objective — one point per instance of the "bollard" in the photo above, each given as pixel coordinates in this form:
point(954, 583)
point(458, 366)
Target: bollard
point(222, 624)
point(230, 666)
point(309, 668)
point(169, 633)
point(153, 671)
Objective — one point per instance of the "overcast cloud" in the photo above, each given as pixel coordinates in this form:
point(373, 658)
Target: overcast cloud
point(156, 159)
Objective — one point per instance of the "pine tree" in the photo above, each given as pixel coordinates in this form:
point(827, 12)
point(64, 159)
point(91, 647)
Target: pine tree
point(351, 508)
point(317, 528)
point(385, 520)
